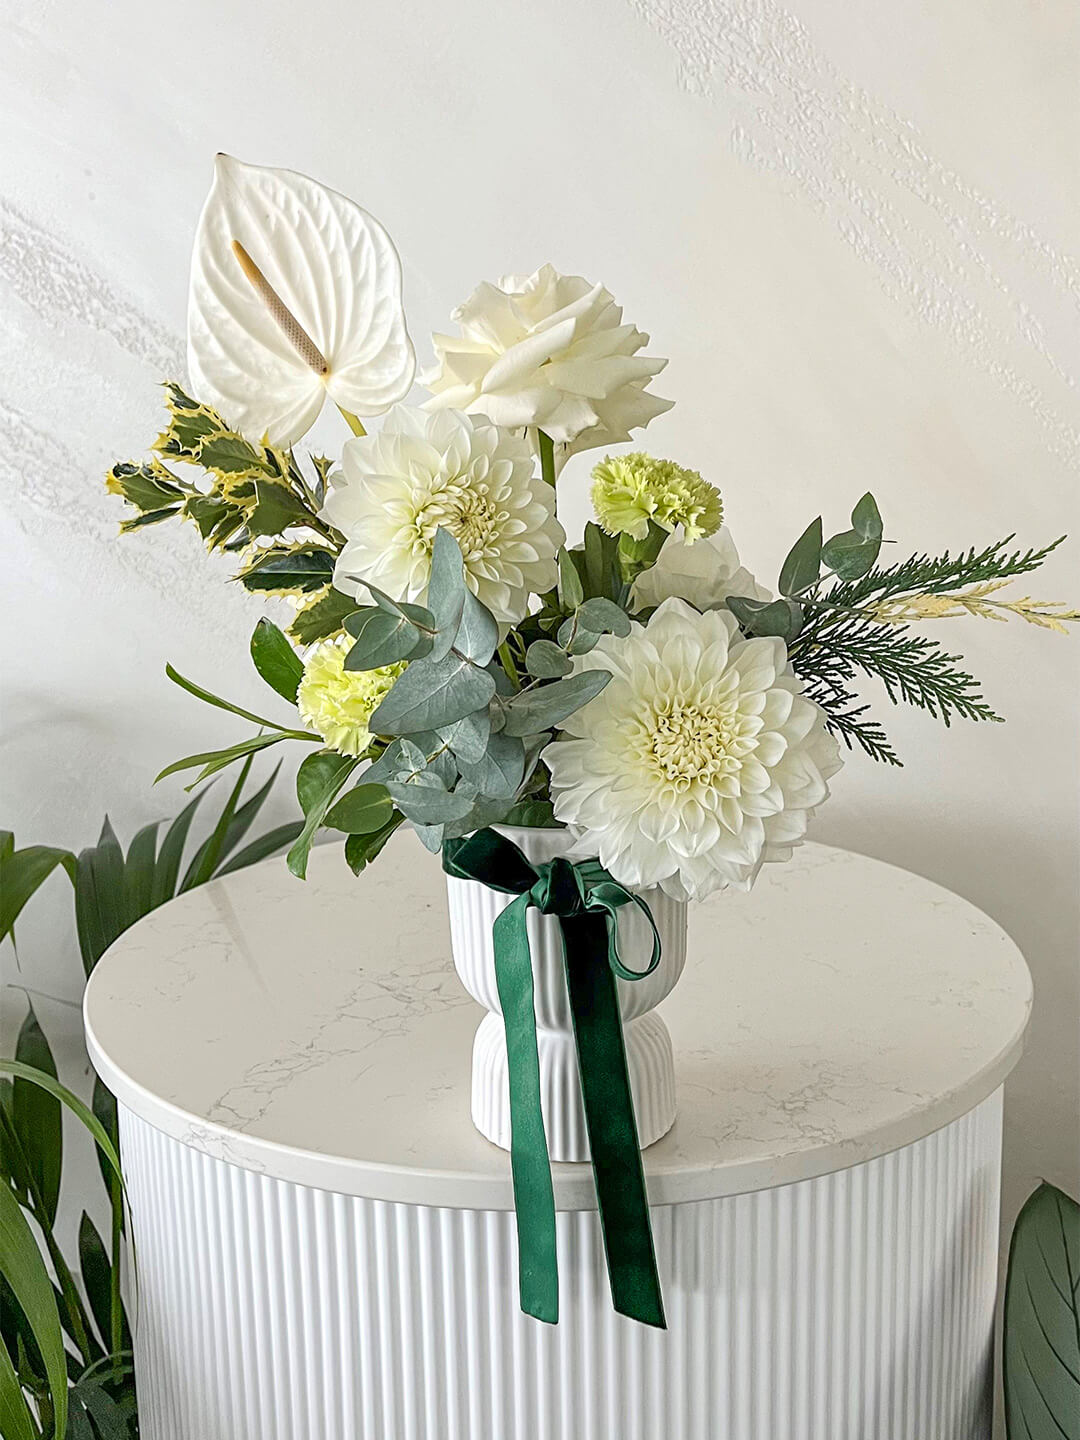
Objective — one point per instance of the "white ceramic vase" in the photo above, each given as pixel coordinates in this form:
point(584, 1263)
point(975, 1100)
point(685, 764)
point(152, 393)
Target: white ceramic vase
point(473, 909)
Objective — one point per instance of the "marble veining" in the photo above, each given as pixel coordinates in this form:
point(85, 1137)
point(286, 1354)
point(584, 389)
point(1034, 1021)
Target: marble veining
point(317, 1032)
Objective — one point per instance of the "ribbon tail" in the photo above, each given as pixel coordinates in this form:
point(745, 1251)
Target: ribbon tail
point(610, 1121)
point(534, 1196)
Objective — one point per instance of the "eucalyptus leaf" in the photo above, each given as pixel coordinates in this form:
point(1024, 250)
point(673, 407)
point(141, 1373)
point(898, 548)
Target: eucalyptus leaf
point(468, 738)
point(418, 614)
point(501, 769)
point(575, 639)
point(851, 554)
point(446, 591)
point(547, 660)
point(426, 801)
point(547, 705)
point(433, 693)
point(783, 618)
point(384, 639)
point(1041, 1331)
point(361, 811)
point(478, 633)
point(276, 660)
point(604, 617)
point(401, 757)
point(430, 836)
point(802, 567)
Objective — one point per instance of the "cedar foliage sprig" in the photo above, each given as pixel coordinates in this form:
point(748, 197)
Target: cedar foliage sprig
point(937, 574)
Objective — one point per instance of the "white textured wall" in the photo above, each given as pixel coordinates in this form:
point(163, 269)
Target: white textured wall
point(848, 226)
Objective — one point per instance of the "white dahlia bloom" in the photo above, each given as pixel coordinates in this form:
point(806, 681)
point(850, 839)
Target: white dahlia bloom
point(422, 471)
point(705, 573)
point(548, 350)
point(699, 760)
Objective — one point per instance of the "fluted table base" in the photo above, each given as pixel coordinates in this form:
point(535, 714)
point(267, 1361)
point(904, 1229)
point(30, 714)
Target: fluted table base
point(855, 1306)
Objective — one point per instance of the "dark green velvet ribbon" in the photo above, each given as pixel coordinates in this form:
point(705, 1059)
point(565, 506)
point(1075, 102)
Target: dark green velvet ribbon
point(584, 898)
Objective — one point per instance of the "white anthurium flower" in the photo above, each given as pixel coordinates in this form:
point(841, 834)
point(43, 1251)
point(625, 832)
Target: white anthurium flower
point(548, 351)
point(425, 470)
point(295, 295)
point(699, 760)
point(705, 572)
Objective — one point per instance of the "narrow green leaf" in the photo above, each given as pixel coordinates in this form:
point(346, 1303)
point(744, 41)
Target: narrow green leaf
point(433, 693)
point(23, 1269)
point(101, 904)
point(211, 699)
point(210, 852)
point(96, 1271)
point(214, 760)
point(276, 660)
point(601, 563)
point(361, 811)
point(140, 866)
point(22, 872)
point(1041, 1334)
point(167, 868)
point(240, 824)
point(36, 1116)
point(547, 660)
point(16, 1422)
point(446, 591)
point(318, 781)
point(547, 705)
point(802, 567)
point(279, 838)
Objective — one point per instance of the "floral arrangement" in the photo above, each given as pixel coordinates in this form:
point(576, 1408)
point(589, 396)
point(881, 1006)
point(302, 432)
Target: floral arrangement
point(454, 661)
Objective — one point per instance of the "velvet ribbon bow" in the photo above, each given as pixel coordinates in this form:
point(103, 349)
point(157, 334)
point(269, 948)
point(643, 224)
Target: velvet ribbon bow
point(584, 898)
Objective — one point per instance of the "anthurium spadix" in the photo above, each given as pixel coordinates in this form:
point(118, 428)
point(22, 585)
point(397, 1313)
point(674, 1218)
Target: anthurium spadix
point(295, 296)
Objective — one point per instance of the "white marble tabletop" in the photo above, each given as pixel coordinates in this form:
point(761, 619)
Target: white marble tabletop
point(318, 1032)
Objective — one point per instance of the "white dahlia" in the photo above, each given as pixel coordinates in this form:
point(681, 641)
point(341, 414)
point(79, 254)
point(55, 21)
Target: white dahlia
point(548, 350)
point(422, 471)
point(705, 573)
point(699, 760)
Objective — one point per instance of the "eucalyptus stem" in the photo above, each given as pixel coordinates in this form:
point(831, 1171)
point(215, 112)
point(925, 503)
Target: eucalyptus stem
point(547, 456)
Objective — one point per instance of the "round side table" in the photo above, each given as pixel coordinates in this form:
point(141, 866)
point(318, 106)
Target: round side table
point(326, 1246)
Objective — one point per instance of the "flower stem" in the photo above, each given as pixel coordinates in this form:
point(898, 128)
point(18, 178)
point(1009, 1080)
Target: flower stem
point(352, 421)
point(547, 456)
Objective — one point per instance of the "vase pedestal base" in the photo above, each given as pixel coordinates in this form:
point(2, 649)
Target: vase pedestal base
point(649, 1060)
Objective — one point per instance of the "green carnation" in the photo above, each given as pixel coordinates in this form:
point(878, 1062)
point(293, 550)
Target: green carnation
point(338, 703)
point(630, 490)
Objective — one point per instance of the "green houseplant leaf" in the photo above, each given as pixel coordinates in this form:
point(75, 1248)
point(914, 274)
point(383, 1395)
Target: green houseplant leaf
point(24, 1270)
point(361, 811)
point(276, 660)
point(1041, 1335)
point(22, 872)
point(36, 1116)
